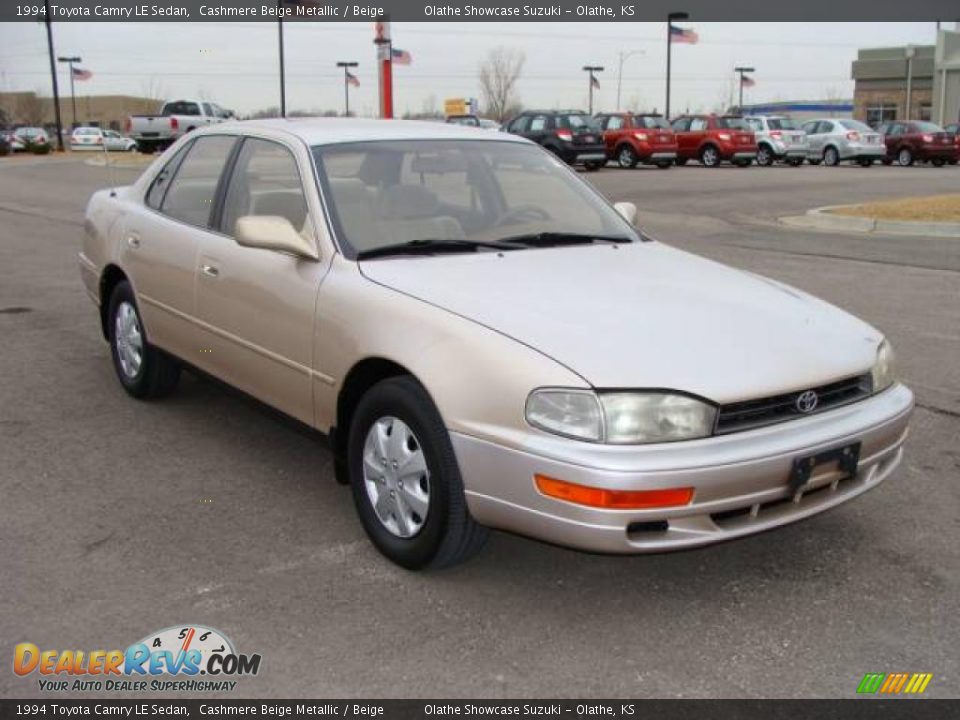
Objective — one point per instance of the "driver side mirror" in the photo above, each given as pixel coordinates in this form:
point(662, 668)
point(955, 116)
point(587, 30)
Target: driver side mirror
point(627, 210)
point(272, 232)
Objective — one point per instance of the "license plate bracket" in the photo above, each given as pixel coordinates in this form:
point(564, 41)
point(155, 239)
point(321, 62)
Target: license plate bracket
point(847, 458)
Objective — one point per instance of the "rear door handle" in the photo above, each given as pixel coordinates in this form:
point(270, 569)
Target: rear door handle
point(210, 270)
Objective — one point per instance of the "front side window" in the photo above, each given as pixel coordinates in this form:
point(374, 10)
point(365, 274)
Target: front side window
point(390, 192)
point(158, 188)
point(681, 124)
point(652, 122)
point(538, 124)
point(265, 181)
point(191, 192)
point(520, 124)
point(698, 124)
point(614, 122)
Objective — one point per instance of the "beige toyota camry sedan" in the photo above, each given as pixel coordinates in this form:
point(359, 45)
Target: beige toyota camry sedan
point(487, 342)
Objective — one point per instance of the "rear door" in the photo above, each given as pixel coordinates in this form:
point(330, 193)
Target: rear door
point(698, 132)
point(161, 239)
point(257, 306)
point(685, 147)
point(614, 128)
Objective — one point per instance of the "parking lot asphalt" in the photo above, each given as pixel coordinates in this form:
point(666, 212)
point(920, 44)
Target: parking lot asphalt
point(119, 518)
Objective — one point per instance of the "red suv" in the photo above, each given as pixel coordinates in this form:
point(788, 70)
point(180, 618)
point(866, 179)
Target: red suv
point(911, 140)
point(632, 139)
point(712, 139)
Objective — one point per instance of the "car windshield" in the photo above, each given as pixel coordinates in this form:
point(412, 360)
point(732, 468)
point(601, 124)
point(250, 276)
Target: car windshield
point(731, 123)
point(855, 125)
point(782, 124)
point(651, 122)
point(462, 192)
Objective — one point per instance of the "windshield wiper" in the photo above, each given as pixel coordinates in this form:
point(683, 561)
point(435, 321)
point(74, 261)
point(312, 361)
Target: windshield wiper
point(432, 246)
point(554, 239)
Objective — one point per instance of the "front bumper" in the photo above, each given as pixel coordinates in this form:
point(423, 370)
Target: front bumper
point(739, 480)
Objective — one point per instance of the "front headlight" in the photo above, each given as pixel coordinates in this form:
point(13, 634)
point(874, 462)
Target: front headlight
point(883, 372)
point(623, 418)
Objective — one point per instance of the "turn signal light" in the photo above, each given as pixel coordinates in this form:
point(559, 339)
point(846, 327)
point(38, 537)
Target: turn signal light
point(613, 499)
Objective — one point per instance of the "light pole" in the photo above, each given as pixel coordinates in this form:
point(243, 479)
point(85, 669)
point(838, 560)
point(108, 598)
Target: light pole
point(283, 89)
point(623, 56)
point(346, 85)
point(73, 98)
point(910, 53)
point(742, 70)
point(670, 18)
point(591, 69)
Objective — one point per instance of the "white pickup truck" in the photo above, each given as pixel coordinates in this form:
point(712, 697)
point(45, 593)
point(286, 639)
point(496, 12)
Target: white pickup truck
point(157, 132)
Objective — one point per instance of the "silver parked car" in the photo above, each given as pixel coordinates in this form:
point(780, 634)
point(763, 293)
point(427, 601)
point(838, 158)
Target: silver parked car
point(94, 138)
point(778, 139)
point(834, 140)
point(473, 326)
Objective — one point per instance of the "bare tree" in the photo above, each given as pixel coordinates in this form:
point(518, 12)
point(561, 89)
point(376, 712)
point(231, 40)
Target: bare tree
point(29, 109)
point(153, 89)
point(498, 78)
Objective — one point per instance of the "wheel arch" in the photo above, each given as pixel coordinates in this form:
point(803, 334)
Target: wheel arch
point(111, 276)
point(359, 379)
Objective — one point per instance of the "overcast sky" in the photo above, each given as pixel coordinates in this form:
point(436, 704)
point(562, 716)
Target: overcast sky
point(235, 64)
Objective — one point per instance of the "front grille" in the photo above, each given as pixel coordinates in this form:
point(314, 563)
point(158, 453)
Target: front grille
point(750, 414)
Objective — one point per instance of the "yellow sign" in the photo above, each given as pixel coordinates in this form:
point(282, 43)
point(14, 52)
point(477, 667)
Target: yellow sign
point(455, 106)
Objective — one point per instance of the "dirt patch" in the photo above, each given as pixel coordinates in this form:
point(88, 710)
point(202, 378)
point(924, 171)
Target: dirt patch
point(936, 208)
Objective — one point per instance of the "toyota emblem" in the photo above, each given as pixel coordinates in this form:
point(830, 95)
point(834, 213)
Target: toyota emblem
point(807, 401)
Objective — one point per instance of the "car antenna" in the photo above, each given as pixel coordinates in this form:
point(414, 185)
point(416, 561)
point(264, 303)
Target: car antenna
point(106, 160)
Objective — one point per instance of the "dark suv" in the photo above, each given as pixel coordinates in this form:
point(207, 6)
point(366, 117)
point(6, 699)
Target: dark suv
point(570, 135)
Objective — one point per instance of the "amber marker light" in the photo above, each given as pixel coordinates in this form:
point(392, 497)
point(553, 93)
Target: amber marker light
point(613, 499)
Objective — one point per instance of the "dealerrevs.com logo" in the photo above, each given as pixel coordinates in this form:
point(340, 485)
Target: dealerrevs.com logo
point(185, 658)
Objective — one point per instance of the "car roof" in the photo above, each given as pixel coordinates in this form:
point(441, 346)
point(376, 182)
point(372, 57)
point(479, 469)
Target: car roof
point(329, 131)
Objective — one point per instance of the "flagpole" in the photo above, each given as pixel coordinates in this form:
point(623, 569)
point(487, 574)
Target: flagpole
point(73, 96)
point(742, 70)
point(590, 70)
point(670, 18)
point(53, 75)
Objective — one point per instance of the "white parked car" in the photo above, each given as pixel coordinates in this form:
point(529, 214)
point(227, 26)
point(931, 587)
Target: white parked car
point(486, 340)
point(94, 138)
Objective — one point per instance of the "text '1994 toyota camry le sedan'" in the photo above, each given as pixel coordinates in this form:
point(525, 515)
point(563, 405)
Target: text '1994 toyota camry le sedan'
point(487, 342)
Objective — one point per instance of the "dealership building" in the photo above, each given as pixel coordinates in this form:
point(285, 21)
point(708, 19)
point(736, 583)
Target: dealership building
point(913, 82)
point(108, 111)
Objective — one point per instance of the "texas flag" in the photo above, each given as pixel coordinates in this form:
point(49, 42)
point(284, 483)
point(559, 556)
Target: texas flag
point(683, 35)
point(400, 57)
point(81, 74)
point(352, 79)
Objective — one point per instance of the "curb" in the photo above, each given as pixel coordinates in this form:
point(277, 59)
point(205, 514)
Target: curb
point(822, 219)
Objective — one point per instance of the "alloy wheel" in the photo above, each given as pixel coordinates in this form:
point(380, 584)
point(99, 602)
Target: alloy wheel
point(625, 158)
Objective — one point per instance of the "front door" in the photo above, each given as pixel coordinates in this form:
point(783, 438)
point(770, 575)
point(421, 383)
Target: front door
point(256, 307)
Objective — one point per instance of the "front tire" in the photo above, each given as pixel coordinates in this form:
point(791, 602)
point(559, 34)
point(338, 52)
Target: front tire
point(764, 156)
point(905, 157)
point(405, 479)
point(143, 370)
point(831, 158)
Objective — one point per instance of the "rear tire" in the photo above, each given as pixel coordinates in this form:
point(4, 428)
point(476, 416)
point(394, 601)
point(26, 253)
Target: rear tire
point(626, 157)
point(710, 157)
point(427, 525)
point(764, 156)
point(144, 370)
point(904, 157)
point(831, 158)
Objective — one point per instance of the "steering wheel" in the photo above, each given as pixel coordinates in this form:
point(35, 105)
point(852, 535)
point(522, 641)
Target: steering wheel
point(523, 213)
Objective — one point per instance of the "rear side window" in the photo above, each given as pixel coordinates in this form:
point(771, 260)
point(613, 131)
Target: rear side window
point(265, 181)
point(681, 124)
point(538, 123)
point(698, 124)
point(181, 108)
point(190, 196)
point(158, 188)
point(651, 122)
point(520, 124)
point(614, 122)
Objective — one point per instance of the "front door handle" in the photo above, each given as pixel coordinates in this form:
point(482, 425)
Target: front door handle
point(210, 270)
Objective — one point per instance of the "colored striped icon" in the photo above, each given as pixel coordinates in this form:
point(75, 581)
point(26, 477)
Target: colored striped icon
point(894, 683)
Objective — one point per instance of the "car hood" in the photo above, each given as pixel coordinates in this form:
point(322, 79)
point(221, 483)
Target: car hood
point(644, 315)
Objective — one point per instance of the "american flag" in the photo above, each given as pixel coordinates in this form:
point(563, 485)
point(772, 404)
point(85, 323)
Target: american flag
point(352, 79)
point(594, 83)
point(683, 35)
point(400, 57)
point(747, 81)
point(81, 74)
